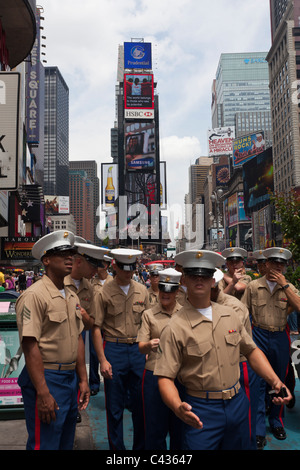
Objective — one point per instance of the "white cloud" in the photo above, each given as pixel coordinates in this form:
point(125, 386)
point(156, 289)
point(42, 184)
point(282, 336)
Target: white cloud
point(188, 37)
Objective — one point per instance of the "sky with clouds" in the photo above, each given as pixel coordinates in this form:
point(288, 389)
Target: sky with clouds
point(187, 36)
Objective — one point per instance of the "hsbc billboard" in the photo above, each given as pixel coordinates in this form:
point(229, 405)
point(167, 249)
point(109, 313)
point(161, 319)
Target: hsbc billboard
point(139, 114)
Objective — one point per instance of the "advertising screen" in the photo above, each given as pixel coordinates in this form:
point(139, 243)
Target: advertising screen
point(139, 146)
point(137, 55)
point(247, 147)
point(258, 180)
point(138, 91)
point(109, 185)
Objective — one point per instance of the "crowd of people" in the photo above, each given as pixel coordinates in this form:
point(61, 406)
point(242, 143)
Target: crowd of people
point(17, 280)
point(196, 352)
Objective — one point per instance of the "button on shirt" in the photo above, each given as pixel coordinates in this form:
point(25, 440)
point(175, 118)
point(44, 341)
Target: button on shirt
point(117, 314)
point(54, 321)
point(153, 322)
point(268, 309)
point(202, 354)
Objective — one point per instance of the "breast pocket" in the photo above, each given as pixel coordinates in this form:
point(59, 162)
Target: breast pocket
point(114, 315)
point(232, 347)
point(57, 327)
point(137, 311)
point(199, 358)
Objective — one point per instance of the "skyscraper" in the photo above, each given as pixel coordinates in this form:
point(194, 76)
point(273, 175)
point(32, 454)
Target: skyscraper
point(241, 85)
point(82, 203)
point(56, 161)
point(90, 168)
point(284, 74)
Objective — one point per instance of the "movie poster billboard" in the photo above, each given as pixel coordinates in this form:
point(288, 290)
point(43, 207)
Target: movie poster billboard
point(220, 141)
point(140, 146)
point(247, 147)
point(57, 205)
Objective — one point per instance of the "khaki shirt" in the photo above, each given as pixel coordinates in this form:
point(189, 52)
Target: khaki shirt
point(204, 355)
point(117, 314)
point(153, 322)
point(153, 296)
point(239, 308)
point(245, 280)
point(85, 292)
point(268, 309)
point(97, 284)
point(181, 295)
point(54, 321)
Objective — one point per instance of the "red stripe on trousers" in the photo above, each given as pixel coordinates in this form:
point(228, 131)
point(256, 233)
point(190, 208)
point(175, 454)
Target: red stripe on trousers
point(37, 429)
point(247, 390)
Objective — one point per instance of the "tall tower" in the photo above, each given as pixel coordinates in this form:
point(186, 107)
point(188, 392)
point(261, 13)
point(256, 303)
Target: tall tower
point(56, 136)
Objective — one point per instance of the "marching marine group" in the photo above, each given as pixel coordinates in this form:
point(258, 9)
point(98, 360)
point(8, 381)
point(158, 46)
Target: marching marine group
point(201, 356)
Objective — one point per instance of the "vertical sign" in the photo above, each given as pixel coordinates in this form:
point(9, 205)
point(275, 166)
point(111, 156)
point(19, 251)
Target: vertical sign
point(9, 129)
point(33, 90)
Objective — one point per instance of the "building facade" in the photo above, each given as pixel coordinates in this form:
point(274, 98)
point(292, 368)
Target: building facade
point(284, 73)
point(56, 135)
point(82, 203)
point(241, 85)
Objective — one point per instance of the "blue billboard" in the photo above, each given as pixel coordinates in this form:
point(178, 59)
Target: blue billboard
point(137, 55)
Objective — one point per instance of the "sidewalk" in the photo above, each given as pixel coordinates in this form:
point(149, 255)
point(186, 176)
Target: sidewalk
point(13, 434)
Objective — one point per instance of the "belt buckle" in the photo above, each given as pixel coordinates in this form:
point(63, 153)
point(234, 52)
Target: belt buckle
point(226, 395)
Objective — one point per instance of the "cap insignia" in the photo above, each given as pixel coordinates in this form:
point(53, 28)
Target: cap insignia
point(66, 234)
point(199, 255)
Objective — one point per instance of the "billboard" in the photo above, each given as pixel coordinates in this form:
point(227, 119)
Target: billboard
point(57, 205)
point(247, 147)
point(140, 146)
point(220, 141)
point(9, 125)
point(109, 185)
point(222, 175)
point(139, 91)
point(33, 90)
point(258, 180)
point(137, 55)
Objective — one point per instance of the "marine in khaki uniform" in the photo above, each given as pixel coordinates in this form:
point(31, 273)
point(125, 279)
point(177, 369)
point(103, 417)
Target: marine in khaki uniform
point(249, 380)
point(201, 347)
point(50, 325)
point(261, 261)
point(102, 276)
point(159, 419)
point(270, 299)
point(236, 280)
point(153, 290)
point(181, 293)
point(118, 311)
point(85, 264)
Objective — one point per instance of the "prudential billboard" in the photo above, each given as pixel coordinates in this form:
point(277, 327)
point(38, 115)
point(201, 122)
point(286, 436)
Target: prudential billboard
point(137, 55)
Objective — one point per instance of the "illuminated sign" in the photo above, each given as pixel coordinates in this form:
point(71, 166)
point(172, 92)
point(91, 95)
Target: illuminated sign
point(258, 60)
point(137, 55)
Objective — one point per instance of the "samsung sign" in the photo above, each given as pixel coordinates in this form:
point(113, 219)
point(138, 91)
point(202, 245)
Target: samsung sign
point(137, 55)
point(259, 60)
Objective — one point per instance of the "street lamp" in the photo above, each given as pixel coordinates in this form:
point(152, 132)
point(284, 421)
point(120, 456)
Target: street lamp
point(216, 197)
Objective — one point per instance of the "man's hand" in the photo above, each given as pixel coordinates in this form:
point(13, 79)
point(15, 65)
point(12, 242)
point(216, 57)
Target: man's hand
point(84, 396)
point(106, 369)
point(185, 414)
point(47, 407)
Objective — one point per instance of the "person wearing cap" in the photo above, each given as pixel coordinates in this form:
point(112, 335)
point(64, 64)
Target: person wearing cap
point(50, 324)
point(249, 380)
point(102, 276)
point(181, 293)
point(86, 262)
point(159, 419)
point(269, 300)
point(261, 261)
point(118, 311)
point(201, 347)
point(153, 290)
point(236, 280)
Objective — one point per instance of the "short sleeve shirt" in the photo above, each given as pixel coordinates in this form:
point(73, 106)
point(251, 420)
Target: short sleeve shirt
point(245, 280)
point(117, 314)
point(153, 322)
point(268, 309)
point(85, 292)
point(54, 321)
point(204, 355)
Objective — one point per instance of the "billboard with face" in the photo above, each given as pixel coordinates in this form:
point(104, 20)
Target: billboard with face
point(247, 147)
point(138, 91)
